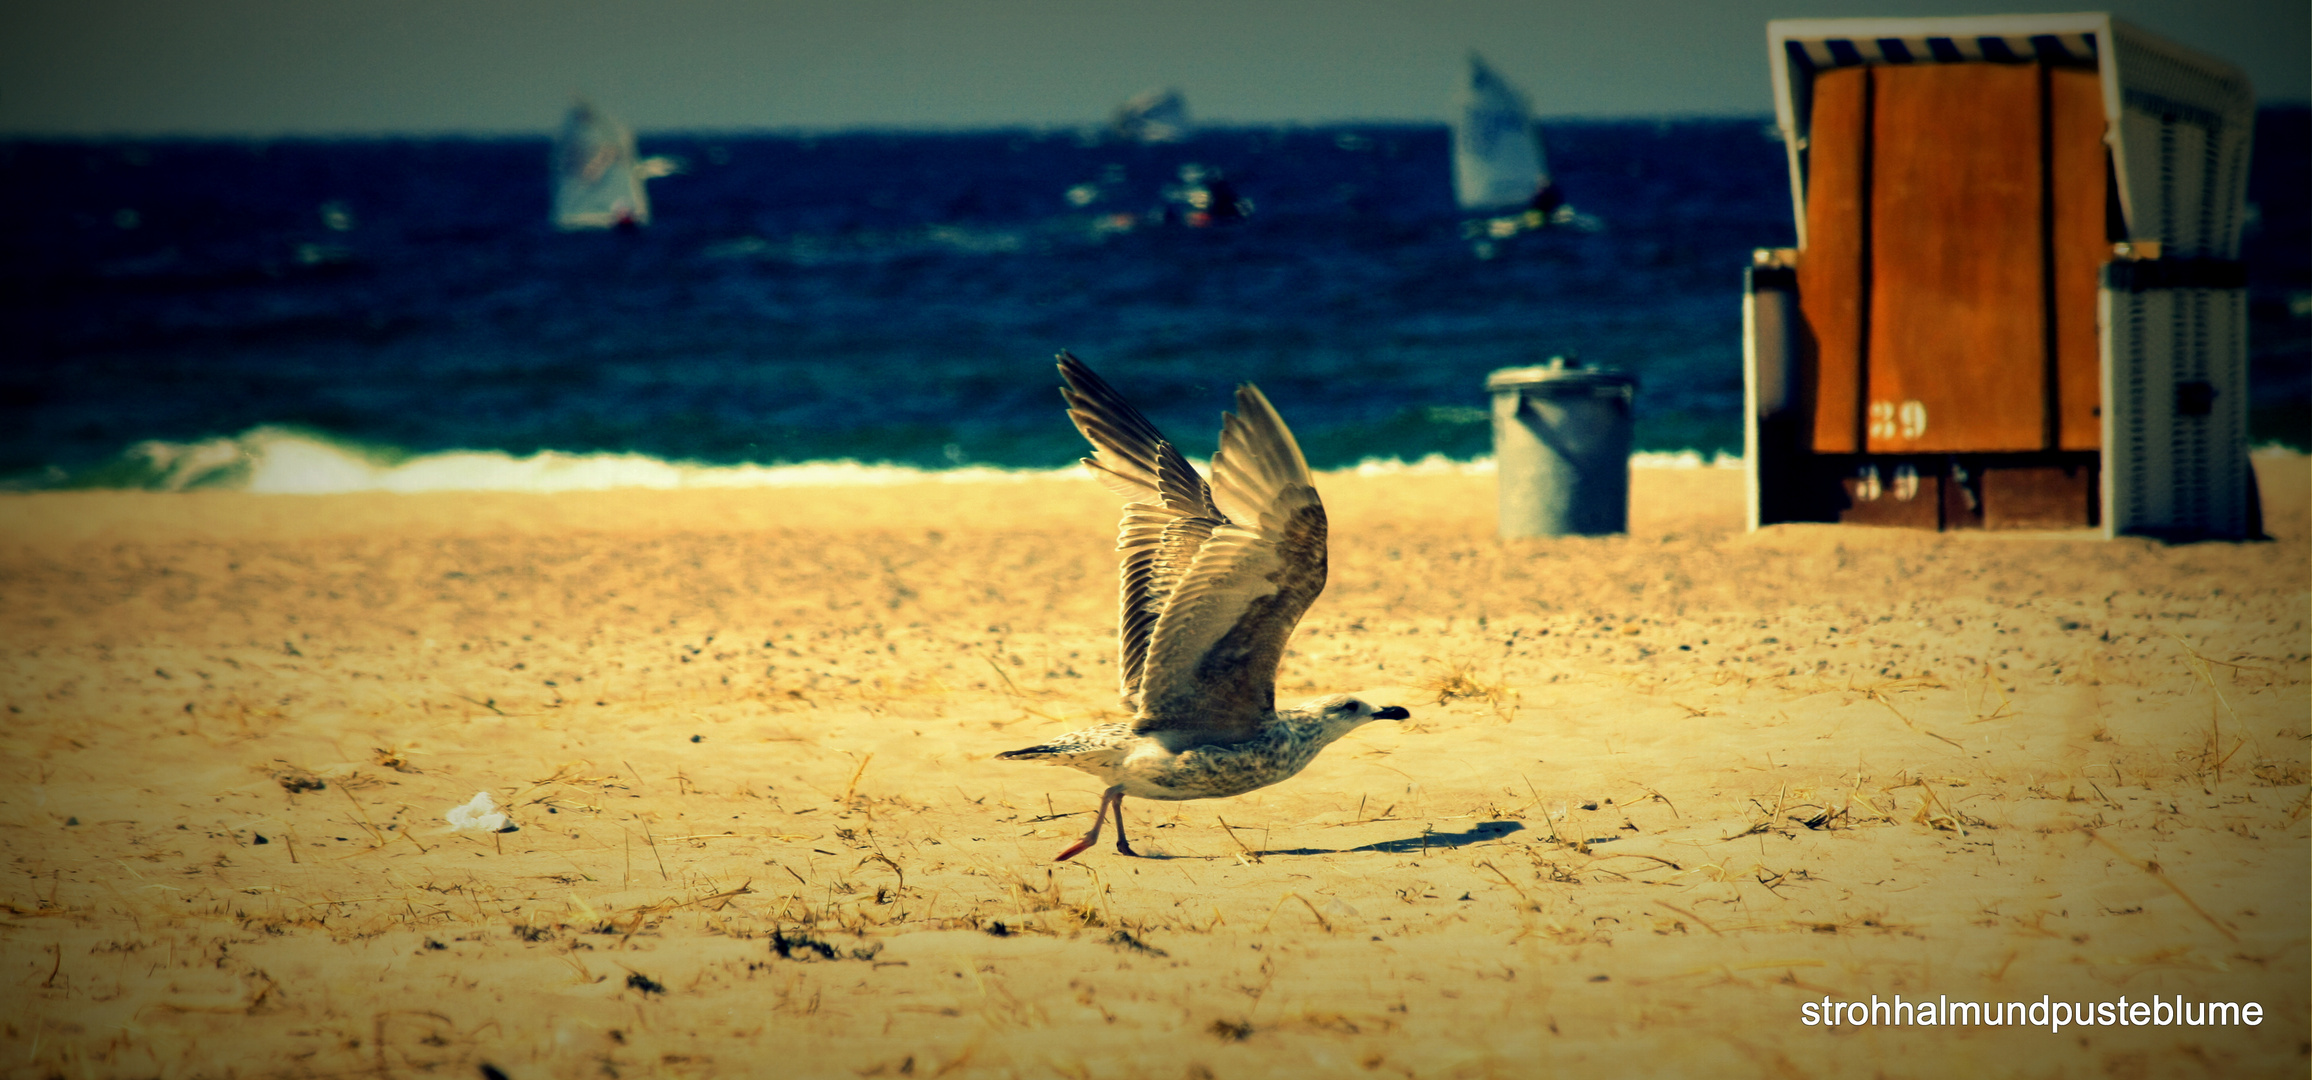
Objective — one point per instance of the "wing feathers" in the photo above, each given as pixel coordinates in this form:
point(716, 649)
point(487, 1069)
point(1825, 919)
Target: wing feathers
point(1167, 520)
point(1211, 666)
point(1155, 547)
point(1258, 458)
point(1213, 576)
point(1129, 453)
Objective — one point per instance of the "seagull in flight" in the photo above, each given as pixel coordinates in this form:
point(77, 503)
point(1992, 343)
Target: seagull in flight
point(1215, 576)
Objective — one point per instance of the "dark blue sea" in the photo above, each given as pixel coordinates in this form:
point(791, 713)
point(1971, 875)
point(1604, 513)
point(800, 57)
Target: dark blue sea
point(893, 297)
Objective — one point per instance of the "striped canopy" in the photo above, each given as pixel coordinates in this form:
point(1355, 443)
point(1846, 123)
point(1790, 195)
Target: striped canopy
point(1835, 52)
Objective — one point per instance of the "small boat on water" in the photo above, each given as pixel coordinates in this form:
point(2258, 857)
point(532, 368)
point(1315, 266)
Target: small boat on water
point(1156, 115)
point(1204, 198)
point(1500, 172)
point(598, 180)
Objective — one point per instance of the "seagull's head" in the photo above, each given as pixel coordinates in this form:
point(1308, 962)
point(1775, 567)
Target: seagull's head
point(1343, 713)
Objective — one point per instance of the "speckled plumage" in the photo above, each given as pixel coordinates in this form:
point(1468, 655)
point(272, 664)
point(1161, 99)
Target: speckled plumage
point(1214, 577)
point(1146, 769)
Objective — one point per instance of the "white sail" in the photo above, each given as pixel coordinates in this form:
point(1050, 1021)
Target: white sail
point(1497, 157)
point(597, 180)
point(1157, 115)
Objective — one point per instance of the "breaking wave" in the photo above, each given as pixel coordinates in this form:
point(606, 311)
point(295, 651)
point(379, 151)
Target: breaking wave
point(290, 461)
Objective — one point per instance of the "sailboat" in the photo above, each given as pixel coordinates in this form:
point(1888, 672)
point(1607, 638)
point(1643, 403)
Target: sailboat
point(1500, 171)
point(598, 181)
point(1156, 115)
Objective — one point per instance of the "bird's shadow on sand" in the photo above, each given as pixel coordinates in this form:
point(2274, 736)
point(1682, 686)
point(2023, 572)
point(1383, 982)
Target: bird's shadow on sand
point(1425, 841)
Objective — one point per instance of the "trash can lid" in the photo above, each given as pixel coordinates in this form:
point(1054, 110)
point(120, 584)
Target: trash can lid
point(1562, 372)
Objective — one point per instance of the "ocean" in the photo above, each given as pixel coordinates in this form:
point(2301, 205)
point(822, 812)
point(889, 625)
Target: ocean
point(310, 314)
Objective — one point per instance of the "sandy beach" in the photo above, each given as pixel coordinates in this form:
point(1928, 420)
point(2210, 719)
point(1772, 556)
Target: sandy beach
point(1659, 793)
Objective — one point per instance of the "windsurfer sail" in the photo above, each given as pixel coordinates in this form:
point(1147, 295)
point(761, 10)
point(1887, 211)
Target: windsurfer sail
point(597, 179)
point(1498, 165)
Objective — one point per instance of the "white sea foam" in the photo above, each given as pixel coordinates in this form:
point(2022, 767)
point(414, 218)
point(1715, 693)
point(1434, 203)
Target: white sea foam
point(279, 461)
point(282, 461)
point(302, 467)
point(1684, 459)
point(1440, 465)
point(1431, 465)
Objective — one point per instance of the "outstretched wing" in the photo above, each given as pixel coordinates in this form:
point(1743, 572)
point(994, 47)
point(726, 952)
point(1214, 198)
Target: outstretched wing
point(1170, 516)
point(1210, 672)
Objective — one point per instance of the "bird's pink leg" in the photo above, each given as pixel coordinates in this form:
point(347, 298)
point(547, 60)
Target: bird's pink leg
point(1112, 795)
point(1121, 845)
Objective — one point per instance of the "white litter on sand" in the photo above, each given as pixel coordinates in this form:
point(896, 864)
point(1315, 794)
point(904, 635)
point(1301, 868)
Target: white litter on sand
point(480, 815)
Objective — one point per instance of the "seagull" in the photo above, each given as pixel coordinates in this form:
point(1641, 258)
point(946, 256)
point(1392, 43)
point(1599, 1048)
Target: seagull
point(1214, 578)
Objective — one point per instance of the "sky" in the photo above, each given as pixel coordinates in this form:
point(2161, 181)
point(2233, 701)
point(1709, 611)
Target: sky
point(262, 68)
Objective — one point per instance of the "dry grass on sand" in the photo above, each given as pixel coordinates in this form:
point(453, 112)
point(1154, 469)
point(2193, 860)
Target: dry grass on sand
point(1658, 792)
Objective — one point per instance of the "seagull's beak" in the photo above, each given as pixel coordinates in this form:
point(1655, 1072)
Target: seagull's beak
point(1393, 712)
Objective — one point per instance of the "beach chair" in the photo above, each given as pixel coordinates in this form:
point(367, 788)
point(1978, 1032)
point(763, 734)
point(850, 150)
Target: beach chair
point(2016, 302)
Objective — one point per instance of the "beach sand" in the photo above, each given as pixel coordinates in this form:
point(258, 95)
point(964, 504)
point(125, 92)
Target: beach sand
point(1658, 793)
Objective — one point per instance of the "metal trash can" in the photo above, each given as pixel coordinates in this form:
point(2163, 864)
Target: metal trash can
point(1561, 442)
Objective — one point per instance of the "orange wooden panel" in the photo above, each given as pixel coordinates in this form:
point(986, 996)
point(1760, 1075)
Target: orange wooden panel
point(1957, 347)
point(1830, 270)
point(2076, 165)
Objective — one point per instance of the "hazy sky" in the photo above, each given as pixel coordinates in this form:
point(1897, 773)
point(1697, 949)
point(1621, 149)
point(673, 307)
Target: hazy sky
point(267, 67)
